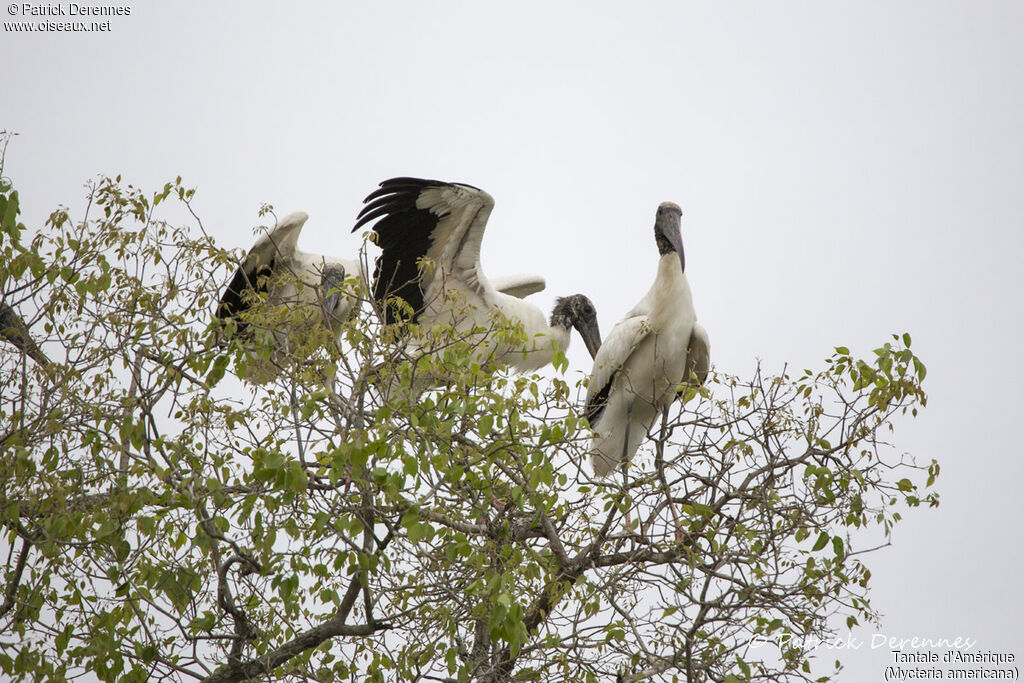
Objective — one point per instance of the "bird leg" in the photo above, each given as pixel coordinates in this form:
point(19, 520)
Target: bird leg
point(624, 464)
point(294, 405)
point(659, 467)
point(315, 480)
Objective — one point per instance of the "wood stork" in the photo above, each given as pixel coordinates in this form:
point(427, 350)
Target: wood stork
point(312, 283)
point(430, 233)
point(647, 355)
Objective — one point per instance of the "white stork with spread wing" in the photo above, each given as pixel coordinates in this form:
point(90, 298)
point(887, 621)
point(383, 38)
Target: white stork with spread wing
point(430, 233)
point(318, 286)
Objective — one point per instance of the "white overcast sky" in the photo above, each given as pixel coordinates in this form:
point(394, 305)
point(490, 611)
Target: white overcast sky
point(846, 170)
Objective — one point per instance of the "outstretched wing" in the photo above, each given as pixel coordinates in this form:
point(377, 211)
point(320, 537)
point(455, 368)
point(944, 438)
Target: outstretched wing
point(519, 286)
point(611, 358)
point(418, 220)
point(270, 251)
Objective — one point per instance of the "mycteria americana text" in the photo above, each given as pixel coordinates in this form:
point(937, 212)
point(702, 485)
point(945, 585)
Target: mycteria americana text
point(641, 364)
point(429, 233)
point(312, 283)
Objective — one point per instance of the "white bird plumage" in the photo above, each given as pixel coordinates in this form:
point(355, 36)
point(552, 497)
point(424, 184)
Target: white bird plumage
point(647, 355)
point(519, 286)
point(698, 360)
point(311, 283)
point(430, 233)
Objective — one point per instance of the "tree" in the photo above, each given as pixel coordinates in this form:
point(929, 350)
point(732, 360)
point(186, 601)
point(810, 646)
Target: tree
point(164, 521)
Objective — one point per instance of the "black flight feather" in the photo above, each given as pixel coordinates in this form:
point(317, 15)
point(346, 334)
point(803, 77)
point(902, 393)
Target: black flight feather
point(595, 406)
point(235, 301)
point(403, 233)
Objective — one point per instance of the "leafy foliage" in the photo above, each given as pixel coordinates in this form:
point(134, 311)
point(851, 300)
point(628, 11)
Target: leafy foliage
point(354, 521)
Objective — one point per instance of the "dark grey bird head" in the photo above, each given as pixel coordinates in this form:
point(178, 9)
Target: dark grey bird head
point(578, 311)
point(332, 278)
point(667, 231)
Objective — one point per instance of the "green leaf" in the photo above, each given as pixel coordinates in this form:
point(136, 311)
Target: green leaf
point(62, 639)
point(216, 373)
point(821, 542)
point(485, 424)
point(9, 219)
point(920, 369)
point(744, 667)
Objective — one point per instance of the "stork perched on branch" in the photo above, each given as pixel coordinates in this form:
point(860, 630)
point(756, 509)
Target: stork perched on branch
point(658, 346)
point(312, 283)
point(430, 233)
